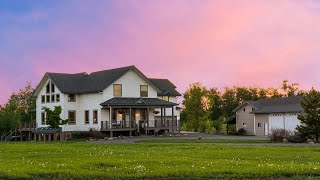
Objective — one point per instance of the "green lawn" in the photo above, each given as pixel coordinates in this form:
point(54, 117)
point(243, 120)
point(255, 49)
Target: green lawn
point(203, 141)
point(82, 160)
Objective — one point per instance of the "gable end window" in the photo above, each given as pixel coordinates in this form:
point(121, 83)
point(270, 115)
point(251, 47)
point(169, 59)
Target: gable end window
point(52, 87)
point(48, 88)
point(53, 98)
point(72, 98)
point(117, 90)
point(143, 90)
point(47, 98)
point(71, 117)
point(43, 99)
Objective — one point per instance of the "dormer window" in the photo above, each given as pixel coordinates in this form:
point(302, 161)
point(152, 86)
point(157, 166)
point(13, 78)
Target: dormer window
point(144, 91)
point(72, 98)
point(117, 90)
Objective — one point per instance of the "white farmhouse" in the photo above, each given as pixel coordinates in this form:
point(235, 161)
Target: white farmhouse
point(122, 101)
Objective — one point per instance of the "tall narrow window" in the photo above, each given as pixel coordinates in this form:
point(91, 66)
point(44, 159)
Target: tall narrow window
point(48, 88)
point(72, 117)
point(52, 87)
point(57, 97)
point(43, 118)
point(165, 98)
point(72, 98)
point(95, 117)
point(86, 117)
point(43, 99)
point(48, 98)
point(144, 91)
point(117, 90)
point(53, 98)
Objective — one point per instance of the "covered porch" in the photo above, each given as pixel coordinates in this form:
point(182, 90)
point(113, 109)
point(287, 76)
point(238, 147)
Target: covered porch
point(138, 115)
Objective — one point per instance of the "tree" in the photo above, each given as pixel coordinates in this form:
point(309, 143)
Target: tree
point(215, 104)
point(53, 117)
point(194, 105)
point(310, 119)
point(17, 109)
point(290, 89)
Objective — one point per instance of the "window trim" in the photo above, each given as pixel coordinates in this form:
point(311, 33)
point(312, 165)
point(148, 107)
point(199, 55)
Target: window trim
point(48, 98)
point(74, 99)
point(144, 91)
point(115, 91)
point(57, 95)
point(52, 88)
point(75, 117)
point(53, 98)
point(93, 113)
point(43, 99)
point(43, 118)
point(85, 117)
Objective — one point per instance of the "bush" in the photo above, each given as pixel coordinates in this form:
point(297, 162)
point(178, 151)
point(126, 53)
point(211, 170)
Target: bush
point(297, 138)
point(242, 132)
point(280, 134)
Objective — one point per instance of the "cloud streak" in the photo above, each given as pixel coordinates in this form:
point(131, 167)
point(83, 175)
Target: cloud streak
point(219, 43)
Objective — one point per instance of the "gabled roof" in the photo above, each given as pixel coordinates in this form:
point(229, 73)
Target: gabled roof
point(81, 83)
point(166, 87)
point(122, 101)
point(275, 105)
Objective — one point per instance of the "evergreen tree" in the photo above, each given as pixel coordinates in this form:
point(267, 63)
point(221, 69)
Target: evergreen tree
point(310, 119)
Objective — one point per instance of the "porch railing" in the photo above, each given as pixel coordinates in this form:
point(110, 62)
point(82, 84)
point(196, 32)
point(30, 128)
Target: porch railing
point(27, 125)
point(118, 125)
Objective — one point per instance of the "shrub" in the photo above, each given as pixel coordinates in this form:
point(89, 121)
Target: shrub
point(242, 132)
point(296, 138)
point(280, 134)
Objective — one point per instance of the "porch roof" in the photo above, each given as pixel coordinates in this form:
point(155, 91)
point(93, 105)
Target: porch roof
point(120, 101)
point(45, 130)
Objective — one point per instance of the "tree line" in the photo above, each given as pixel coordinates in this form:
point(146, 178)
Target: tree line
point(17, 109)
point(207, 109)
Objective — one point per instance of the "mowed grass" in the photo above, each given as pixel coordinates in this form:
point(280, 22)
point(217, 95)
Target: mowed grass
point(83, 160)
point(203, 141)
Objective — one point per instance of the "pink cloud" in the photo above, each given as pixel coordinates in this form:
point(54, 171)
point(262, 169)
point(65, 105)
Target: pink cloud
point(219, 43)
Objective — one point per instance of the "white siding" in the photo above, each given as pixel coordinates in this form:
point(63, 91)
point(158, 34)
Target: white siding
point(131, 82)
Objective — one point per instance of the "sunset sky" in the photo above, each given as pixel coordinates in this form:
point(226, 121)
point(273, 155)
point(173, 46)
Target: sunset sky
point(218, 43)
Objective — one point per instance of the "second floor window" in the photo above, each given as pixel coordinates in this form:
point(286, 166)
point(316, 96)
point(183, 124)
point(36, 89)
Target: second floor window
point(72, 98)
point(48, 88)
point(144, 91)
point(117, 90)
point(165, 98)
point(58, 98)
point(43, 99)
point(43, 118)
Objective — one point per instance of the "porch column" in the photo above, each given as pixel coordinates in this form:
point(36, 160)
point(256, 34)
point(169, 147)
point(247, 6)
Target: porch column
point(29, 135)
point(161, 123)
point(110, 118)
point(147, 126)
point(165, 119)
point(40, 138)
point(35, 137)
point(173, 125)
point(130, 121)
point(49, 137)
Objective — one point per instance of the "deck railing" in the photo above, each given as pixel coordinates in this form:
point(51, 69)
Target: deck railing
point(118, 125)
point(142, 124)
point(27, 125)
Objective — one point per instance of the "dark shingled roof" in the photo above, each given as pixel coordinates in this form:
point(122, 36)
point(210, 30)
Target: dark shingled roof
point(276, 105)
point(81, 83)
point(167, 88)
point(120, 101)
point(45, 130)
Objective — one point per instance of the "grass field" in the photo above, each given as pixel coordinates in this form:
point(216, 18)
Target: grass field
point(83, 160)
point(203, 141)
